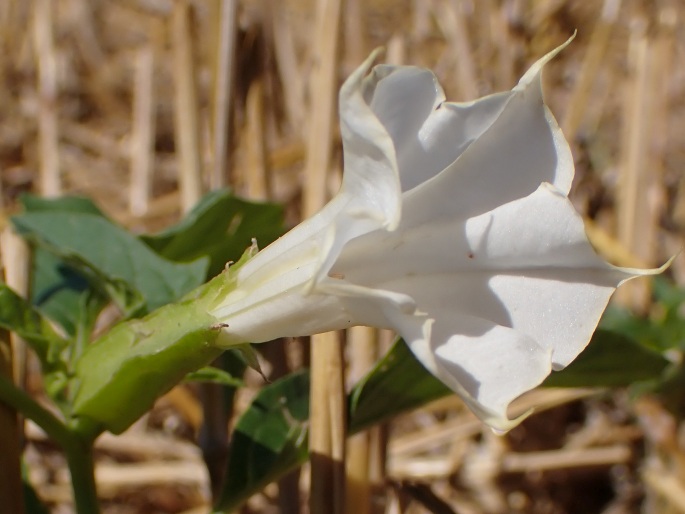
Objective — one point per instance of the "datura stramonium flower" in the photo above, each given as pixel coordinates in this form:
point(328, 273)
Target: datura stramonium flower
point(452, 227)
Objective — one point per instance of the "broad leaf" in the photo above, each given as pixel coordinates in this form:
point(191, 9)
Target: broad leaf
point(221, 226)
point(270, 443)
point(610, 360)
point(663, 329)
point(63, 204)
point(398, 382)
point(63, 295)
point(269, 439)
point(111, 259)
point(20, 317)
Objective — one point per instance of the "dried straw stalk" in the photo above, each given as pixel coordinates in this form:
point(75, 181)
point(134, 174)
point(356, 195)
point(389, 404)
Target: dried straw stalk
point(327, 400)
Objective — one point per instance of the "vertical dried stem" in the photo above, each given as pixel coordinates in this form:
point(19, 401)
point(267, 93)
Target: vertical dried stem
point(286, 60)
point(10, 440)
point(187, 123)
point(397, 50)
point(327, 419)
point(596, 50)
point(452, 22)
point(142, 141)
point(355, 44)
point(50, 181)
point(86, 34)
point(322, 108)
point(256, 180)
point(506, 46)
point(635, 222)
point(223, 92)
point(15, 261)
point(362, 345)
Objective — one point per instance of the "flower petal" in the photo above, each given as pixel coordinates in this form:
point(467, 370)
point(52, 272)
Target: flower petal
point(371, 180)
point(520, 150)
point(517, 289)
point(428, 133)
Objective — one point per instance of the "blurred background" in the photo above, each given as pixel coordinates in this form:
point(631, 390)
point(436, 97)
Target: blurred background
point(145, 105)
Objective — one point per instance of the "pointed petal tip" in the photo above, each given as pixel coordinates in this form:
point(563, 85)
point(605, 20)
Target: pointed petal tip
point(501, 425)
point(353, 82)
point(534, 71)
point(638, 272)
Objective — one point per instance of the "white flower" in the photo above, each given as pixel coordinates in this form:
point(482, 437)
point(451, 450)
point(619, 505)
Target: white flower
point(453, 228)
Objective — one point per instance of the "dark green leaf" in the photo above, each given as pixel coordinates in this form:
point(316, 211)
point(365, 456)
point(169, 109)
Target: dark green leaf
point(663, 329)
point(111, 259)
point(270, 439)
point(397, 383)
point(214, 375)
point(20, 317)
point(270, 443)
point(221, 226)
point(63, 295)
point(610, 360)
point(63, 204)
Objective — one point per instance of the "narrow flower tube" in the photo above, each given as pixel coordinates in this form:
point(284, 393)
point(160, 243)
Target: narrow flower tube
point(452, 227)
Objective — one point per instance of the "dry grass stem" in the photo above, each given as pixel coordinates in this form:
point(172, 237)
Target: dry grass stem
point(50, 180)
point(595, 52)
point(11, 438)
point(327, 411)
point(290, 72)
point(637, 215)
point(142, 138)
point(362, 343)
point(256, 181)
point(224, 87)
point(451, 19)
point(187, 122)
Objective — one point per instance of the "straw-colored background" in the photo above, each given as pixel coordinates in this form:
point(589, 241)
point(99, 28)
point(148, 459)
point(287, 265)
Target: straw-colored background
point(132, 102)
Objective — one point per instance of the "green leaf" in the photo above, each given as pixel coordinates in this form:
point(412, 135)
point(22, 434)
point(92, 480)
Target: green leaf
point(63, 204)
point(57, 289)
point(269, 439)
point(397, 383)
point(63, 295)
point(271, 443)
point(221, 226)
point(271, 436)
point(663, 329)
point(20, 317)
point(610, 360)
point(110, 258)
point(214, 375)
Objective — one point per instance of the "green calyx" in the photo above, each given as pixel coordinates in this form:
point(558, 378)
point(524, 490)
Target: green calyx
point(121, 374)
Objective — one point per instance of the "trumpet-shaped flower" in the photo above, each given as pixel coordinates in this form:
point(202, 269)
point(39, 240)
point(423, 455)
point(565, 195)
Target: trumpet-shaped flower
point(452, 227)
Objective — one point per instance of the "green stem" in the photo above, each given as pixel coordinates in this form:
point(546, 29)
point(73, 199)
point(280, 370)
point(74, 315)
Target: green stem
point(78, 450)
point(80, 460)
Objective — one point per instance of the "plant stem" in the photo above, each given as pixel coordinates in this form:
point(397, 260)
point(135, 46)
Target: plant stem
point(80, 460)
point(78, 449)
point(10, 438)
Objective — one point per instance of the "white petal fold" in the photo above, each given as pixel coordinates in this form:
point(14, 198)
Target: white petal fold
point(452, 227)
